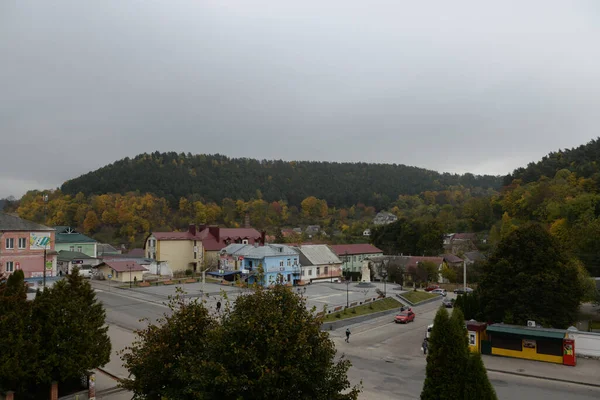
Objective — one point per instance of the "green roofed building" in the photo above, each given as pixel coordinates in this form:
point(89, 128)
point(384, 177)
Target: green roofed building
point(68, 239)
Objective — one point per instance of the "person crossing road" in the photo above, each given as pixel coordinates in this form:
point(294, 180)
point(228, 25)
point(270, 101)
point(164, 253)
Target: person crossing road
point(347, 335)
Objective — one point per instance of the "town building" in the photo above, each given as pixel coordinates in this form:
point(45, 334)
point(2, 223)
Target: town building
point(319, 263)
point(352, 255)
point(198, 248)
point(69, 239)
point(121, 271)
point(27, 246)
point(67, 260)
point(265, 265)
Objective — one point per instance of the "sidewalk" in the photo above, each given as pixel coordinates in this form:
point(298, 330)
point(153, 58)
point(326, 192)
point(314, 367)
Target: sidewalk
point(106, 384)
point(586, 372)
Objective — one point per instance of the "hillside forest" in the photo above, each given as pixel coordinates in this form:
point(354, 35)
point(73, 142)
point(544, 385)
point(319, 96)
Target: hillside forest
point(564, 198)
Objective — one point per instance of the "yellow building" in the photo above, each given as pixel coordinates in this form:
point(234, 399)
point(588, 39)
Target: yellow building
point(121, 271)
point(198, 248)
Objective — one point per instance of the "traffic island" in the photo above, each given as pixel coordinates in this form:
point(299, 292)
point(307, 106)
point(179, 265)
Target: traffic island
point(414, 298)
point(342, 316)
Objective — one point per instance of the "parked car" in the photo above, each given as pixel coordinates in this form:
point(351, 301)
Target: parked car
point(431, 287)
point(448, 303)
point(441, 292)
point(405, 317)
point(463, 290)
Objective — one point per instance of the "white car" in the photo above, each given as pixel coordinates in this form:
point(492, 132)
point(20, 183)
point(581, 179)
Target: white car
point(441, 292)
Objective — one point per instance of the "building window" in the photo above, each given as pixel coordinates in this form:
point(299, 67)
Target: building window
point(310, 272)
point(71, 248)
point(289, 262)
point(245, 241)
point(79, 249)
point(10, 243)
point(116, 273)
point(303, 271)
point(22, 243)
point(318, 271)
point(281, 263)
point(354, 258)
point(195, 255)
point(325, 270)
point(10, 266)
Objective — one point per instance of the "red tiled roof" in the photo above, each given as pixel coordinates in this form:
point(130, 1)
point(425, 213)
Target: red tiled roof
point(212, 243)
point(175, 236)
point(464, 236)
point(123, 266)
point(360, 248)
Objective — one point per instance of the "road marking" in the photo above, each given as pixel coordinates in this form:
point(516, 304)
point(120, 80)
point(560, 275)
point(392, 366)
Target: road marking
point(138, 299)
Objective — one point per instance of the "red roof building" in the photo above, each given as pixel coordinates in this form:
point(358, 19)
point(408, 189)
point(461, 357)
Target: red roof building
point(353, 255)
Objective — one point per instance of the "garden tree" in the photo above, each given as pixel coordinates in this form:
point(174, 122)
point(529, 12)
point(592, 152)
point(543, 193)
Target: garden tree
point(156, 358)
point(267, 346)
point(451, 368)
point(446, 357)
point(470, 305)
point(529, 276)
point(429, 271)
point(20, 341)
point(477, 384)
point(449, 273)
point(72, 324)
point(409, 237)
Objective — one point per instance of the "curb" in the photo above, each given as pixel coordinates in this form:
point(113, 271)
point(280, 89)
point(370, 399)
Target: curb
point(543, 378)
point(330, 326)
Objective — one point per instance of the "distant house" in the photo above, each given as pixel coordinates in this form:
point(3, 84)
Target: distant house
point(352, 255)
point(265, 265)
point(104, 249)
point(69, 239)
point(121, 271)
point(22, 245)
point(473, 256)
point(197, 248)
point(312, 230)
point(319, 263)
point(460, 242)
point(384, 218)
point(67, 260)
point(453, 260)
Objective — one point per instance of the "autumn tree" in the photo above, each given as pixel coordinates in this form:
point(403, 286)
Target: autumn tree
point(267, 346)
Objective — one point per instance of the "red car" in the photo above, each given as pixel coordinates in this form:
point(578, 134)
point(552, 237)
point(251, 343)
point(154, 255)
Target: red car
point(405, 317)
point(432, 287)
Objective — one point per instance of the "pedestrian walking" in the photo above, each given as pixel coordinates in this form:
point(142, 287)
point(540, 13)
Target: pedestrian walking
point(347, 335)
point(425, 345)
point(218, 306)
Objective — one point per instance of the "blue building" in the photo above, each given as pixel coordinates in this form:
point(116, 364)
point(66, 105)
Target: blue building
point(277, 261)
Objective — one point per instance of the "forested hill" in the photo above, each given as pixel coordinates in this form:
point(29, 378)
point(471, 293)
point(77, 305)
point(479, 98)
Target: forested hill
point(583, 160)
point(215, 177)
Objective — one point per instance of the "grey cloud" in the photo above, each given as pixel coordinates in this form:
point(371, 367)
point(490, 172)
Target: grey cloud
point(460, 86)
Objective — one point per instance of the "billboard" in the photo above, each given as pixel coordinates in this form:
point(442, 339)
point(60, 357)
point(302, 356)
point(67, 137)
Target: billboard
point(39, 241)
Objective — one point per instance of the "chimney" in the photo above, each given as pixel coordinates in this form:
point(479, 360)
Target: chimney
point(247, 220)
point(192, 229)
point(263, 237)
point(214, 231)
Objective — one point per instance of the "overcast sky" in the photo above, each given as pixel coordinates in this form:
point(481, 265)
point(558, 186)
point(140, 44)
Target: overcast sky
point(452, 86)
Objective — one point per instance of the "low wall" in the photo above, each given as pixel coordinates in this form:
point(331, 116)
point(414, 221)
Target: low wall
point(586, 343)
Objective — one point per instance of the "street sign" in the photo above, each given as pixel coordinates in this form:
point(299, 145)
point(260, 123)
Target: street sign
point(109, 276)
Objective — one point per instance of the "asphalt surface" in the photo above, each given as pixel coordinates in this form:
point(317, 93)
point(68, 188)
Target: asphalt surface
point(386, 356)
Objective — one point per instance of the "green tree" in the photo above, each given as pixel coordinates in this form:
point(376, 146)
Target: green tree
point(279, 238)
point(530, 277)
point(477, 383)
point(447, 357)
point(20, 343)
point(267, 346)
point(72, 323)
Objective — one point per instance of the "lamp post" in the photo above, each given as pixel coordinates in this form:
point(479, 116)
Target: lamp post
point(45, 198)
point(347, 294)
point(130, 267)
point(346, 261)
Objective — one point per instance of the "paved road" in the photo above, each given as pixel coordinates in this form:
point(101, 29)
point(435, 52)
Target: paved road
point(385, 356)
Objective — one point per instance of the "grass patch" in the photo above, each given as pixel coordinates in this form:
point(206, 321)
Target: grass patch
point(417, 297)
point(388, 303)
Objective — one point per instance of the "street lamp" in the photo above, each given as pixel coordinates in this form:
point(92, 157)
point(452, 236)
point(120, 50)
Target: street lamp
point(347, 295)
point(346, 261)
point(45, 198)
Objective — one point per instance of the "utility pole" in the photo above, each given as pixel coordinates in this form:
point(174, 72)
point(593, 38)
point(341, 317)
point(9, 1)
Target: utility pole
point(465, 276)
point(45, 198)
point(130, 267)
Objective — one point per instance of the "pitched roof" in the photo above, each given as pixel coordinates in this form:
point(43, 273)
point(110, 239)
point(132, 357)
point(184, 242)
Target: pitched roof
point(414, 260)
point(10, 222)
point(359, 248)
point(211, 242)
point(318, 254)
point(136, 253)
point(451, 258)
point(105, 248)
point(65, 255)
point(65, 234)
point(123, 266)
point(259, 252)
point(475, 256)
point(464, 236)
point(176, 236)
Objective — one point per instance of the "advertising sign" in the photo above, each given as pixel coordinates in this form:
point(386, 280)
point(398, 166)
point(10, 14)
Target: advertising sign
point(49, 265)
point(529, 344)
point(39, 241)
